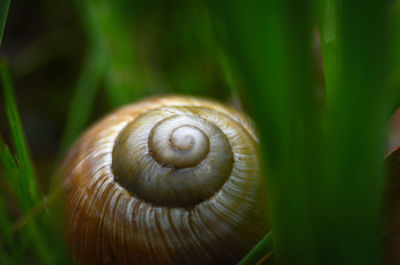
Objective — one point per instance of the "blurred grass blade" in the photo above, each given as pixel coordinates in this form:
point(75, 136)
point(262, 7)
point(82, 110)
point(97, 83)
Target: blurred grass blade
point(4, 5)
point(352, 180)
point(282, 100)
point(394, 78)
point(124, 82)
point(228, 73)
point(106, 26)
point(208, 30)
point(329, 14)
point(11, 172)
point(82, 101)
point(263, 248)
point(26, 178)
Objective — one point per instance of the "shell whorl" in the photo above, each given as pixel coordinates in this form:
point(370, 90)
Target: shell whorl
point(172, 180)
point(173, 156)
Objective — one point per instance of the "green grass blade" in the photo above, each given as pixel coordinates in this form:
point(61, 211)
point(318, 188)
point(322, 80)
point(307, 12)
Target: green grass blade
point(282, 99)
point(82, 101)
point(210, 32)
point(228, 72)
point(394, 78)
point(329, 14)
point(123, 79)
point(4, 5)
point(259, 251)
point(27, 179)
point(352, 180)
point(11, 173)
point(7, 230)
point(25, 182)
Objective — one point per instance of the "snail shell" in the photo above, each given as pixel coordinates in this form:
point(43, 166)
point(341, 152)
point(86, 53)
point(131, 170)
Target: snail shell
point(170, 180)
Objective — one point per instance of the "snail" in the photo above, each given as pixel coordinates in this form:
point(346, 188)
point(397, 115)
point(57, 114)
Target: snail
point(168, 180)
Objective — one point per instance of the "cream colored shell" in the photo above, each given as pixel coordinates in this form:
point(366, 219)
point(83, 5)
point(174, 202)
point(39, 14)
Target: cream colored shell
point(108, 223)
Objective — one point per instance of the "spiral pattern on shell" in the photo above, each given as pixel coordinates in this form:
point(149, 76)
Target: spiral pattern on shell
point(170, 180)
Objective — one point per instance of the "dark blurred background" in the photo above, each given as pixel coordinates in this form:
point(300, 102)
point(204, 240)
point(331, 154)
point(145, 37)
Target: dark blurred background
point(154, 47)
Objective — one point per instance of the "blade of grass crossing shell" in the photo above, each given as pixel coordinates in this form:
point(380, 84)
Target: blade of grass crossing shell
point(282, 100)
point(259, 251)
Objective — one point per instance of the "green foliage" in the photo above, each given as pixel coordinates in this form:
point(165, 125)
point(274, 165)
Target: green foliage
point(26, 177)
point(21, 178)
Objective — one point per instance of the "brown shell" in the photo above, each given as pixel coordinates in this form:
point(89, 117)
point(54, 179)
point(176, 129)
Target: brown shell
point(106, 224)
